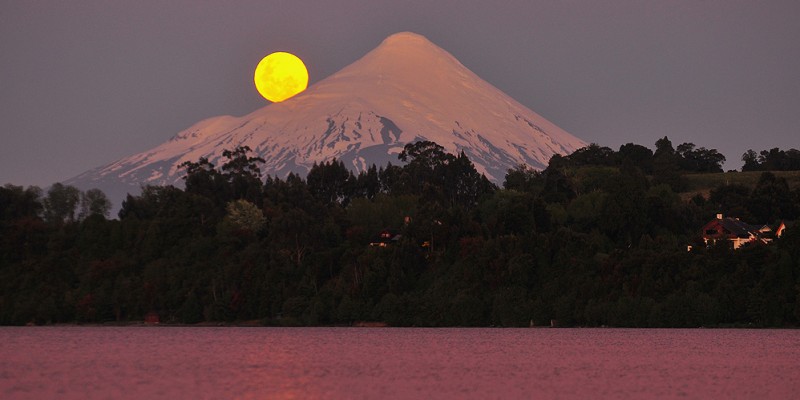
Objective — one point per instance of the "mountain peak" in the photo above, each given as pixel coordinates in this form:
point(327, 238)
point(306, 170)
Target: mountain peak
point(406, 38)
point(407, 53)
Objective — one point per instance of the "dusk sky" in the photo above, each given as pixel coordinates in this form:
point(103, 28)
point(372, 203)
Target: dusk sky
point(85, 83)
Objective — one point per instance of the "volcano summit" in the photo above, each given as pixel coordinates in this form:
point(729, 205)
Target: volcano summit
point(405, 90)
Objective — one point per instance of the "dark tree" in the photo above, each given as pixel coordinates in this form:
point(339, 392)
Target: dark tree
point(772, 160)
point(425, 164)
point(61, 203)
point(638, 155)
point(624, 215)
point(203, 179)
point(666, 166)
point(557, 186)
point(731, 200)
point(750, 159)
point(17, 202)
point(331, 183)
point(771, 200)
point(463, 185)
point(592, 154)
point(94, 203)
point(523, 178)
point(243, 174)
point(664, 147)
point(699, 160)
point(368, 183)
point(425, 155)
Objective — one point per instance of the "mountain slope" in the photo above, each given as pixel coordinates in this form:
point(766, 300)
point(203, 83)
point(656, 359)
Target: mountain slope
point(406, 89)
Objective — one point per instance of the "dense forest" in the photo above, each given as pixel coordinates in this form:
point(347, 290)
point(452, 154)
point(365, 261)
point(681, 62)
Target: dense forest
point(598, 238)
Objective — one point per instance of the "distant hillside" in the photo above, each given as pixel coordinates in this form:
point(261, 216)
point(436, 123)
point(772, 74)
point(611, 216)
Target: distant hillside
point(703, 183)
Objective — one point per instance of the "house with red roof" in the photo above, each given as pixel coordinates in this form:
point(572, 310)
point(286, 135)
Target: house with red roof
point(738, 232)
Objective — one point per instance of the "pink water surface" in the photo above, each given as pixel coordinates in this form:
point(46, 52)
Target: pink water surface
point(378, 363)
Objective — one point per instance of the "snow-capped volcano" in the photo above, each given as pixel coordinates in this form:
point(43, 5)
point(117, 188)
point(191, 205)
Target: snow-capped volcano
point(407, 89)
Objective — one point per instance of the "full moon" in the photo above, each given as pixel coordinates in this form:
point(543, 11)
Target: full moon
point(280, 76)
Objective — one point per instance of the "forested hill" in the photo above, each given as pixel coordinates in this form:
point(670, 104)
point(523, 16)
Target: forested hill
point(599, 238)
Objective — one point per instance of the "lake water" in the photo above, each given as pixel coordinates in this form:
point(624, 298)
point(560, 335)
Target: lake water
point(377, 363)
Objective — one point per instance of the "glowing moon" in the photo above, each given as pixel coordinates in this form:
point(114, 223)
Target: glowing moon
point(280, 76)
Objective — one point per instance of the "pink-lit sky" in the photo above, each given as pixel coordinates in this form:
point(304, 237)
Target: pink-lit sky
point(85, 83)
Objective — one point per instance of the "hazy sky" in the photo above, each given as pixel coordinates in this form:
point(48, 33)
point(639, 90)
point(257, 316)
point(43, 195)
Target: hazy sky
point(84, 83)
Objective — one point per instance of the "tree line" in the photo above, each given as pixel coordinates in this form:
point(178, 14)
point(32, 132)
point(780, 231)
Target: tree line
point(598, 238)
point(771, 160)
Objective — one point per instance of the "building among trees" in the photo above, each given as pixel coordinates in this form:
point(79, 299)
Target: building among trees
point(738, 232)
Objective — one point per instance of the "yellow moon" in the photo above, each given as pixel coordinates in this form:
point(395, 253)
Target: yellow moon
point(280, 76)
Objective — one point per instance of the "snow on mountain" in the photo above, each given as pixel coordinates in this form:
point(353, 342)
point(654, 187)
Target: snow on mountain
point(407, 89)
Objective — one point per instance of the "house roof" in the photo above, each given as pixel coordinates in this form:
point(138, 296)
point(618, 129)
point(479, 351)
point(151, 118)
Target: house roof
point(386, 236)
point(733, 227)
point(739, 228)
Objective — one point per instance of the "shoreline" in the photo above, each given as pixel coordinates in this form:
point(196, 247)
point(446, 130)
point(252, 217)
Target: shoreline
point(363, 324)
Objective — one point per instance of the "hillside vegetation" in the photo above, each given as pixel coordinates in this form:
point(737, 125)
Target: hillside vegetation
point(704, 183)
point(599, 238)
